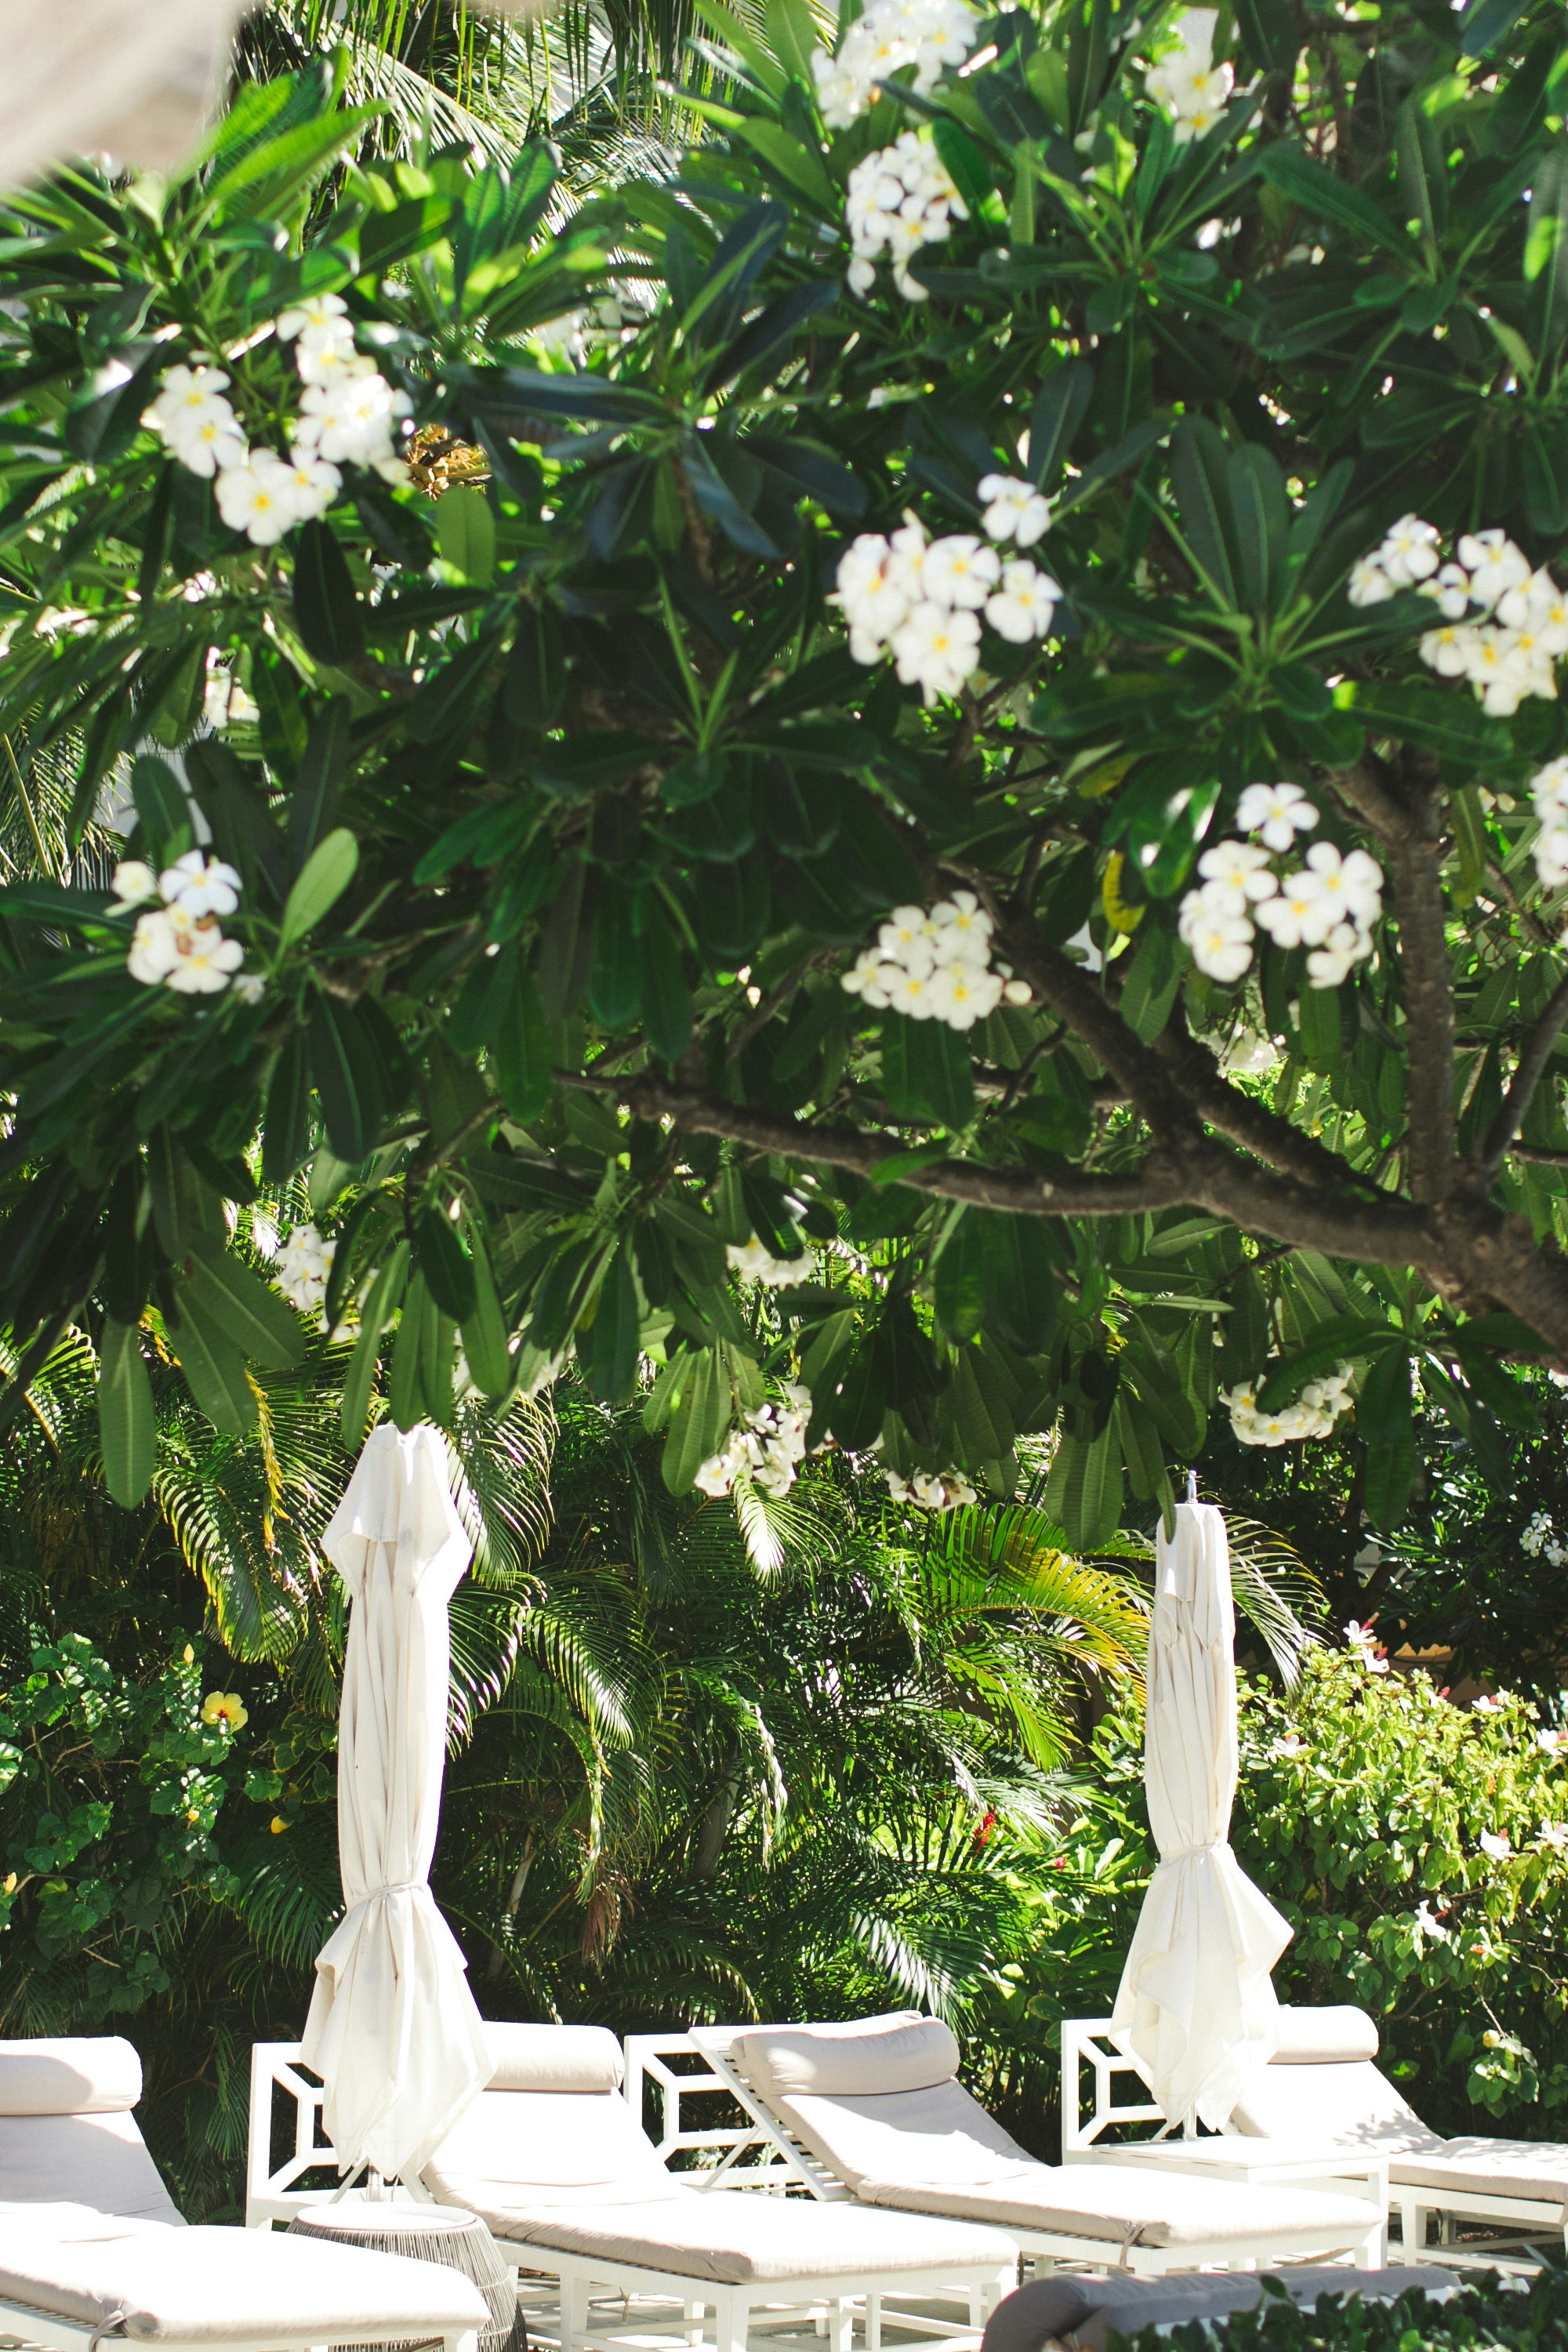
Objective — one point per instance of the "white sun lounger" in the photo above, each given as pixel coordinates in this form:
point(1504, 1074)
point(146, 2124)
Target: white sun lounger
point(1323, 2086)
point(554, 2160)
point(874, 2109)
point(92, 2249)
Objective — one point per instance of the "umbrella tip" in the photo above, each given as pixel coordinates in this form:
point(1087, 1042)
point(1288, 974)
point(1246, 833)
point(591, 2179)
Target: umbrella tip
point(1192, 1485)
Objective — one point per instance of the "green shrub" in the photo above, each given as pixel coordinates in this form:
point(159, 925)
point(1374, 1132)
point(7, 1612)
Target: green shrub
point(1530, 2317)
point(1364, 1800)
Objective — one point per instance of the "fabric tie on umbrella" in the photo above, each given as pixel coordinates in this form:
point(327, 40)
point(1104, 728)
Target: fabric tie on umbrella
point(393, 2030)
point(1195, 2006)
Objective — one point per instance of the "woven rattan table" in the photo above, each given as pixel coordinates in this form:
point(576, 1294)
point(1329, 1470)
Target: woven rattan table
point(428, 2234)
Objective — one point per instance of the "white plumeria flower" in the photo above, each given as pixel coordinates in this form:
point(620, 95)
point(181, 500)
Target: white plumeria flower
point(1449, 591)
point(1494, 564)
point(155, 948)
point(256, 498)
point(1013, 509)
point(1221, 943)
point(1331, 965)
point(250, 987)
point(908, 936)
point(1539, 609)
point(1369, 582)
point(1409, 553)
point(753, 1262)
point(326, 354)
point(960, 995)
point(201, 886)
point(314, 483)
point(959, 573)
point(204, 962)
point(1352, 885)
point(1238, 869)
point(960, 930)
point(209, 444)
point(936, 650)
point(875, 592)
point(133, 881)
point(318, 312)
point(1023, 606)
point(1299, 915)
point(1276, 812)
point(1449, 651)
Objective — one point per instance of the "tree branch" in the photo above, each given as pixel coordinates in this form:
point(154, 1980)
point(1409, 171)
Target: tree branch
point(1246, 1120)
point(1529, 1070)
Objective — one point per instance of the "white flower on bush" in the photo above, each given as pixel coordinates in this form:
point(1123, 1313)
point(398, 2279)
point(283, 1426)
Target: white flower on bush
point(1362, 1643)
point(1276, 814)
point(927, 1492)
point(197, 424)
point(1554, 1834)
point(1506, 625)
point(1488, 1704)
point(919, 600)
point(752, 1262)
point(935, 965)
point(1331, 904)
point(1312, 1414)
point(898, 199)
point(1494, 1844)
point(1186, 80)
point(1013, 510)
point(349, 412)
point(1425, 1923)
point(1548, 798)
point(930, 35)
point(178, 944)
point(767, 1447)
point(301, 1269)
point(1550, 1740)
point(1540, 1541)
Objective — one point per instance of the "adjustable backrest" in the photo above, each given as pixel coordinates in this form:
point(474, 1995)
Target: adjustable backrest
point(1322, 2088)
point(551, 2129)
point(877, 2099)
point(67, 2133)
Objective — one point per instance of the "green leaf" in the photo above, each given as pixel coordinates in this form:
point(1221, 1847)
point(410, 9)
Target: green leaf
point(607, 1349)
point(520, 1055)
point(1341, 1340)
point(348, 1081)
point(382, 1302)
point(326, 875)
point(1451, 724)
point(1546, 250)
point(1083, 1493)
point(286, 1121)
point(485, 1333)
point(215, 1371)
point(926, 1071)
point(227, 1296)
point(1328, 199)
point(1384, 1422)
point(406, 1393)
point(1020, 1296)
point(443, 1265)
point(666, 992)
point(466, 534)
point(313, 799)
point(790, 158)
point(698, 1422)
point(327, 613)
point(125, 1424)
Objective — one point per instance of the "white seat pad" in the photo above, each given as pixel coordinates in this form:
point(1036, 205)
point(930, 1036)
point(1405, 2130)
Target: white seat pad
point(1490, 2168)
point(736, 2238)
point(221, 2286)
point(1133, 2202)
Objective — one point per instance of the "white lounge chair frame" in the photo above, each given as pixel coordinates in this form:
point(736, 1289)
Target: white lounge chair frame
point(736, 2148)
point(1088, 2042)
point(272, 2194)
point(1056, 2247)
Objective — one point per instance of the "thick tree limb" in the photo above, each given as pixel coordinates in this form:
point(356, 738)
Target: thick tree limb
point(1246, 1120)
point(1531, 1068)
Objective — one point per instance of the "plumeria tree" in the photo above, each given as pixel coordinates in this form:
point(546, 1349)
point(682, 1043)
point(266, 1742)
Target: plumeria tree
point(914, 770)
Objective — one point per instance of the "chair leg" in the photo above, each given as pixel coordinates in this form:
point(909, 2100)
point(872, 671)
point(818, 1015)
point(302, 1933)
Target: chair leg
point(874, 2320)
point(731, 2320)
point(1372, 2252)
point(692, 2313)
point(840, 2324)
point(573, 2310)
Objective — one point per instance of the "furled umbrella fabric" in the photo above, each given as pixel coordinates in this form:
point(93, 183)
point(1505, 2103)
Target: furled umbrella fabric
point(392, 2029)
point(1196, 2007)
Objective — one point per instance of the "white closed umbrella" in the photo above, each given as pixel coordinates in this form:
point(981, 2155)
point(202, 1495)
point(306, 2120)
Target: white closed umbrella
point(392, 2029)
point(1195, 2006)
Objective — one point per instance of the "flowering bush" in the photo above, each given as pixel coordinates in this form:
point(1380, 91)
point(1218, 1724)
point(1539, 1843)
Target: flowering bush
point(1419, 1850)
point(850, 771)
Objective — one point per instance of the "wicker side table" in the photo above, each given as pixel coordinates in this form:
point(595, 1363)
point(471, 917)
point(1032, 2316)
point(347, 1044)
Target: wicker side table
point(428, 2234)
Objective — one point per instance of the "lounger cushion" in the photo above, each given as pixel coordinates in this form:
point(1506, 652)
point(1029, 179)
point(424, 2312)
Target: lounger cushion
point(1317, 2037)
point(70, 2075)
point(543, 2148)
point(735, 2239)
point(90, 2159)
point(555, 2058)
point(1339, 2104)
point(874, 2055)
point(1536, 2170)
point(1134, 2206)
point(218, 2284)
point(937, 2134)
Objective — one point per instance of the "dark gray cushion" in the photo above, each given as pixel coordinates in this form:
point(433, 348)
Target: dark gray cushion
point(1088, 2311)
